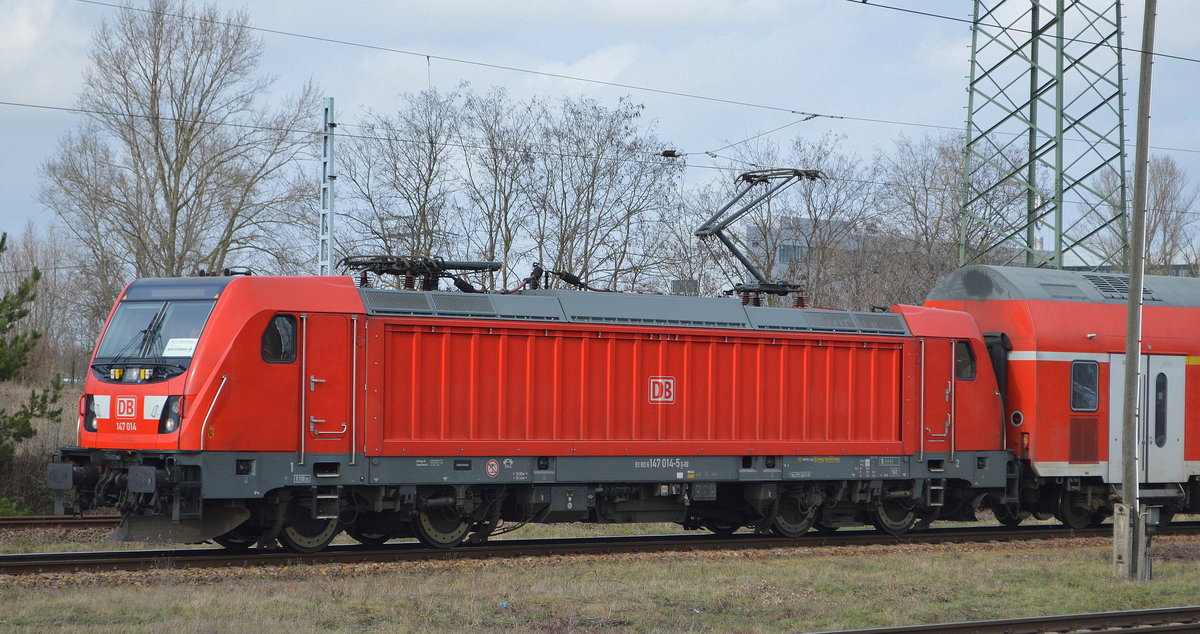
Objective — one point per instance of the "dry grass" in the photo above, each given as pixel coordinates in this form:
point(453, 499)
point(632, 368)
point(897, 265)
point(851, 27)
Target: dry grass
point(781, 590)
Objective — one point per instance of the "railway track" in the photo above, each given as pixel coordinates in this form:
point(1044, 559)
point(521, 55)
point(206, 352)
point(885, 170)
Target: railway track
point(1183, 619)
point(220, 557)
point(59, 521)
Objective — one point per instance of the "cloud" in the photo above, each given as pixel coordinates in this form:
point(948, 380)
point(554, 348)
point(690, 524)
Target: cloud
point(22, 31)
point(42, 52)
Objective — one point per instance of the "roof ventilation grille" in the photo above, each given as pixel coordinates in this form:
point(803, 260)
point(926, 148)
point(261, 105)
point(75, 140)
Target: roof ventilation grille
point(1116, 286)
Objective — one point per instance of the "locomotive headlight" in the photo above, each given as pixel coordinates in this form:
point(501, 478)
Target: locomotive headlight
point(172, 413)
point(87, 409)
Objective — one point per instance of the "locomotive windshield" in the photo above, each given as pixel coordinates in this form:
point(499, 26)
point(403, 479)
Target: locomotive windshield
point(166, 331)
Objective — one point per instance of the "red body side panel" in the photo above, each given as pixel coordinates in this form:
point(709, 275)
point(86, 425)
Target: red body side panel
point(454, 387)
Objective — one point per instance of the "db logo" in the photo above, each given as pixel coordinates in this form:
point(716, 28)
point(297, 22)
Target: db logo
point(662, 389)
point(126, 407)
point(493, 468)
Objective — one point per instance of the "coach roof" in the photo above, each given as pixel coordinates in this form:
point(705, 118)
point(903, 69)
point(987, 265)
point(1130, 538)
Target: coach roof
point(980, 283)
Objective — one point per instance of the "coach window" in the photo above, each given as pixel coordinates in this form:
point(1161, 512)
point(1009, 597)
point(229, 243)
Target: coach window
point(279, 340)
point(964, 361)
point(1160, 410)
point(1085, 381)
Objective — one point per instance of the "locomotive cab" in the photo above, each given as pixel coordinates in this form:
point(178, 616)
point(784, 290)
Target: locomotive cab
point(135, 391)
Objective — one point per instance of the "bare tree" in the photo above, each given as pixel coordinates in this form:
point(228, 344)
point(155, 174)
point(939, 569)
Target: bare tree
point(1170, 224)
point(496, 166)
point(920, 198)
point(686, 265)
point(398, 174)
point(179, 166)
point(596, 189)
point(1170, 221)
point(70, 331)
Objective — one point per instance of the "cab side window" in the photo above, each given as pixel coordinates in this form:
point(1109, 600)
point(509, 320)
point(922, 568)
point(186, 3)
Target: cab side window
point(279, 340)
point(964, 361)
point(1085, 383)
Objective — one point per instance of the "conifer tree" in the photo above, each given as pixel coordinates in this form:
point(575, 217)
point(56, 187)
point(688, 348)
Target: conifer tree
point(16, 345)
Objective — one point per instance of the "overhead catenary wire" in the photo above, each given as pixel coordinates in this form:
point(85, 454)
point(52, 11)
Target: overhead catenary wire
point(1006, 29)
point(634, 87)
point(345, 135)
point(472, 146)
point(542, 152)
point(456, 60)
point(476, 146)
point(517, 69)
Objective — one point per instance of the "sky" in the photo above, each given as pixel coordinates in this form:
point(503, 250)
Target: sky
point(876, 73)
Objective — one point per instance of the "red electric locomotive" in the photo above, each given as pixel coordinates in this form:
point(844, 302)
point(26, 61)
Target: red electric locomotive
point(255, 409)
point(249, 409)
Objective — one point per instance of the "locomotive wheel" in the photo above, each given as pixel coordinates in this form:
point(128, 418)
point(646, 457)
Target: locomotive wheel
point(1007, 516)
point(927, 517)
point(1165, 516)
point(236, 539)
point(367, 538)
point(823, 528)
point(893, 517)
point(721, 528)
point(441, 527)
point(1071, 514)
point(302, 534)
point(792, 520)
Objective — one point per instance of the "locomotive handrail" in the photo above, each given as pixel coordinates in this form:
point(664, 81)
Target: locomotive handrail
point(953, 419)
point(921, 413)
point(303, 372)
point(353, 388)
point(946, 424)
point(213, 404)
point(312, 427)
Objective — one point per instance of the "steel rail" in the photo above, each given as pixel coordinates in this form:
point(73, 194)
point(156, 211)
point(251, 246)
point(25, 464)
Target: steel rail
point(509, 548)
point(59, 521)
point(1181, 619)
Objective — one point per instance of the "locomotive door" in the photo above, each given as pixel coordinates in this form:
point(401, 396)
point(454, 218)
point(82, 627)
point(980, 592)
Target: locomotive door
point(937, 396)
point(326, 413)
point(1160, 417)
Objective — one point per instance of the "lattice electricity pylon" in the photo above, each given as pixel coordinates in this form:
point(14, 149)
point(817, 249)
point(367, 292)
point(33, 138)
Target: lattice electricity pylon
point(1045, 136)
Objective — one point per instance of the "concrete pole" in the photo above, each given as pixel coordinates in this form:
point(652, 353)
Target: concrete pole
point(1128, 524)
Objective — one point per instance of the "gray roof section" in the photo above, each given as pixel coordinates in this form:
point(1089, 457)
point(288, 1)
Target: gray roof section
point(627, 309)
point(975, 283)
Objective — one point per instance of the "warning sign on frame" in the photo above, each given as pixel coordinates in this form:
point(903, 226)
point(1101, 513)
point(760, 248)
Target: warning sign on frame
point(493, 468)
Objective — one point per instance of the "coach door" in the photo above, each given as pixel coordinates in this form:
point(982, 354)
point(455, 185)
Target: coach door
point(1161, 419)
point(327, 358)
point(937, 396)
